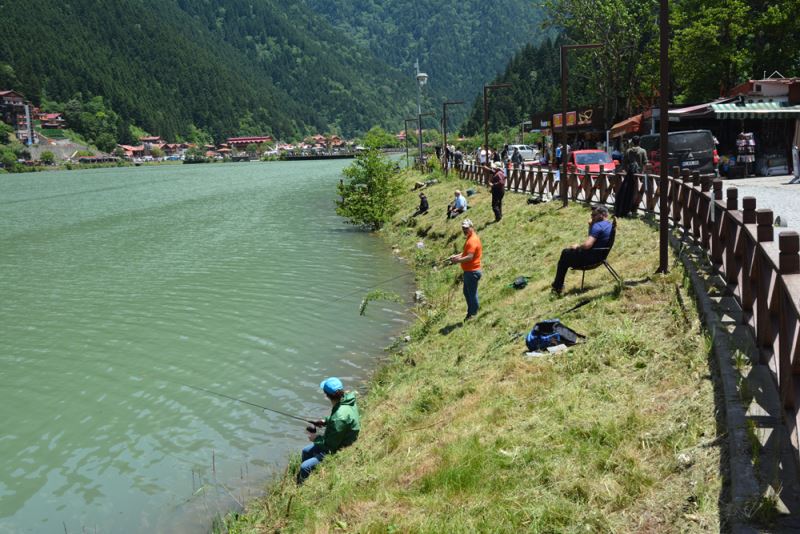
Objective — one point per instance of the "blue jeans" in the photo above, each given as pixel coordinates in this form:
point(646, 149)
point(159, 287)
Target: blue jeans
point(471, 291)
point(312, 456)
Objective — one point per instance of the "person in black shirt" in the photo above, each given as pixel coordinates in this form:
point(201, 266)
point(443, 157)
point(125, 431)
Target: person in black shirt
point(423, 205)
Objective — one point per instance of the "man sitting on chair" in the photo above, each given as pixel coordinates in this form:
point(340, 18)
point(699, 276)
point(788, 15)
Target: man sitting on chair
point(591, 251)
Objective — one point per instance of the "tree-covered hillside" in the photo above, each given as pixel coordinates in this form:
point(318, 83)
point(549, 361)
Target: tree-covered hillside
point(266, 66)
point(224, 66)
point(460, 44)
point(152, 64)
point(338, 85)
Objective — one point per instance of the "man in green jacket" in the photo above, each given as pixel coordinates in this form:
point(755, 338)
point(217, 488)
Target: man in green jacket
point(341, 427)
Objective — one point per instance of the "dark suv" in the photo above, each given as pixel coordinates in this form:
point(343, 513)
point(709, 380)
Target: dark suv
point(693, 150)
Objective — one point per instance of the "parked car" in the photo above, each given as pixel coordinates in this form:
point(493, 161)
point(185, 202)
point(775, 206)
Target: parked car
point(591, 160)
point(694, 150)
point(528, 152)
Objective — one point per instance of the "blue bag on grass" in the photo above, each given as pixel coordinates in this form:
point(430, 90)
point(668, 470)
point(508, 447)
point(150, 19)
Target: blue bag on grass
point(549, 333)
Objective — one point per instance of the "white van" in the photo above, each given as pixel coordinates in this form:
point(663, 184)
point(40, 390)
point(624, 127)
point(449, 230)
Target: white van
point(528, 152)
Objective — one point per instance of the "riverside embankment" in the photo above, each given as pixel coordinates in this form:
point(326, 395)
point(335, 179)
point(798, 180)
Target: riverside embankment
point(461, 432)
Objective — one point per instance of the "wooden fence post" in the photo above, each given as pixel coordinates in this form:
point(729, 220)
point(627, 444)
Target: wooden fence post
point(764, 231)
point(789, 259)
point(716, 215)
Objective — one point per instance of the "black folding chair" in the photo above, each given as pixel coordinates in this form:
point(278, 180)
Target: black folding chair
point(604, 261)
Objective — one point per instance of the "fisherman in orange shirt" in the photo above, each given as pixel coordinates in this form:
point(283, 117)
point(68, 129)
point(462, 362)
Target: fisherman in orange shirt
point(470, 260)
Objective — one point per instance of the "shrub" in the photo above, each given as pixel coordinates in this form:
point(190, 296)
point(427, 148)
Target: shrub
point(371, 193)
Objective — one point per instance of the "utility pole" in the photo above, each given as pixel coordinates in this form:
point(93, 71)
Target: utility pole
point(422, 78)
point(663, 251)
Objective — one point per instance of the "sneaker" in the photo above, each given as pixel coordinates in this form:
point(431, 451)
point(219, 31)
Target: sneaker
point(468, 317)
point(556, 290)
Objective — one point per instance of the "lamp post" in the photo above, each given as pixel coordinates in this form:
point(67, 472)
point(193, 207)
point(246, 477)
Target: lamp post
point(444, 128)
point(422, 79)
point(663, 124)
point(564, 77)
point(486, 113)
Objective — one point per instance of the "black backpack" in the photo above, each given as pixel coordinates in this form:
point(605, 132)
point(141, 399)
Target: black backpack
point(549, 333)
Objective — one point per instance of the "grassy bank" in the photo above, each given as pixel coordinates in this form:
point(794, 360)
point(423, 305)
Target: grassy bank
point(462, 433)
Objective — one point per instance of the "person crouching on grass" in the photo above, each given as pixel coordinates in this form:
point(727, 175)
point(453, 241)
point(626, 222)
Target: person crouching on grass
point(470, 261)
point(341, 427)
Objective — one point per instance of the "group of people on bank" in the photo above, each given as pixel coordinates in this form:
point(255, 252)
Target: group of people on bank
point(342, 426)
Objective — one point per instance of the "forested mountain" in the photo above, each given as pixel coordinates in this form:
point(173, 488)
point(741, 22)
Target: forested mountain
point(460, 44)
point(153, 65)
point(255, 66)
point(535, 77)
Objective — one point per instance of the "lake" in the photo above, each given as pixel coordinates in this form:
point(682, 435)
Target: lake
point(125, 289)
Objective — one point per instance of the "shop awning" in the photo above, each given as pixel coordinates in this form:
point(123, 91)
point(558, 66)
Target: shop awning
point(755, 110)
point(630, 125)
point(697, 111)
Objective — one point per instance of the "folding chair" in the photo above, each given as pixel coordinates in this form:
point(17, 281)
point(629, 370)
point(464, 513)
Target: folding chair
point(604, 261)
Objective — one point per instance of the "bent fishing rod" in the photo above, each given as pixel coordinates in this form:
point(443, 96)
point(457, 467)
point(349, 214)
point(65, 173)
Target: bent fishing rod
point(371, 287)
point(251, 404)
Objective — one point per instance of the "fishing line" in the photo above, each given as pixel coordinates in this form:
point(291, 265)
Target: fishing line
point(248, 403)
point(371, 287)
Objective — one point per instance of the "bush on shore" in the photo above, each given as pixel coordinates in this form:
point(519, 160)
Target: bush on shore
point(369, 196)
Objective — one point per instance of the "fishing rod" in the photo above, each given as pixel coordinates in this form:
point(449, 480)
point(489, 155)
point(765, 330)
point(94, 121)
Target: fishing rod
point(371, 287)
point(251, 404)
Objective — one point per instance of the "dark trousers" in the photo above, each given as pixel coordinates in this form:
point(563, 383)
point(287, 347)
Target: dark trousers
point(497, 203)
point(574, 257)
point(624, 201)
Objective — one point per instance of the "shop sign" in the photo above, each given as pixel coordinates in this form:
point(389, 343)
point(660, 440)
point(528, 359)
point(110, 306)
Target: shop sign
point(571, 118)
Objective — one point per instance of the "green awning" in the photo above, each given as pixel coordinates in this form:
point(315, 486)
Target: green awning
point(755, 110)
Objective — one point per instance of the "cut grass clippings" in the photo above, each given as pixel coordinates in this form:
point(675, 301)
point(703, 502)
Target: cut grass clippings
point(462, 433)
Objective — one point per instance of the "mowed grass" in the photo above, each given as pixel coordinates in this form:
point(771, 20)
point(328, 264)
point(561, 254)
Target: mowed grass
point(462, 433)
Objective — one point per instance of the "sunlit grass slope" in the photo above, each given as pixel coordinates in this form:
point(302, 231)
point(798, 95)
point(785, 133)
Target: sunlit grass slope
point(462, 433)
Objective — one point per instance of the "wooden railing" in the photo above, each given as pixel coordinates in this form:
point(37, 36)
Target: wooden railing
point(764, 276)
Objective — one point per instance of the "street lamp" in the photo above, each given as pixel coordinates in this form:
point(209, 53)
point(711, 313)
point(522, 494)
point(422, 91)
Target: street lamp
point(486, 113)
point(422, 79)
point(444, 128)
point(564, 76)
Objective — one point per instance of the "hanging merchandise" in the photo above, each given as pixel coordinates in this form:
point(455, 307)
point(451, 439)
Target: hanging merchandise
point(746, 150)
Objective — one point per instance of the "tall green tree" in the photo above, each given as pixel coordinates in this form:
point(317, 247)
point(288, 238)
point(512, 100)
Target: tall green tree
point(611, 76)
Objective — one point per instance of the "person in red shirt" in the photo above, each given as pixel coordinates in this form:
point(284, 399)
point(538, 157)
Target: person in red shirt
point(470, 261)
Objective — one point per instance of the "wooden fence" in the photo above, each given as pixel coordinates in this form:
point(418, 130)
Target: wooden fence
point(762, 274)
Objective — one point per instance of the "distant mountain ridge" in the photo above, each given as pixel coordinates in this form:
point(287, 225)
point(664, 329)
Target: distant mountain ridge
point(460, 44)
point(255, 66)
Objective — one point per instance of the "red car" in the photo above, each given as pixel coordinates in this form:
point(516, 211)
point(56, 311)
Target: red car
point(590, 160)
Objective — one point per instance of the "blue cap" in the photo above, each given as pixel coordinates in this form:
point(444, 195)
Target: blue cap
point(331, 385)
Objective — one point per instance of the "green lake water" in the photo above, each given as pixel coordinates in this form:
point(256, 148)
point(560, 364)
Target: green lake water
point(118, 286)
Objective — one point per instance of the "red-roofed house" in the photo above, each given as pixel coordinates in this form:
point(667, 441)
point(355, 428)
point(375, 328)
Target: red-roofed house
point(52, 121)
point(132, 151)
point(240, 143)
